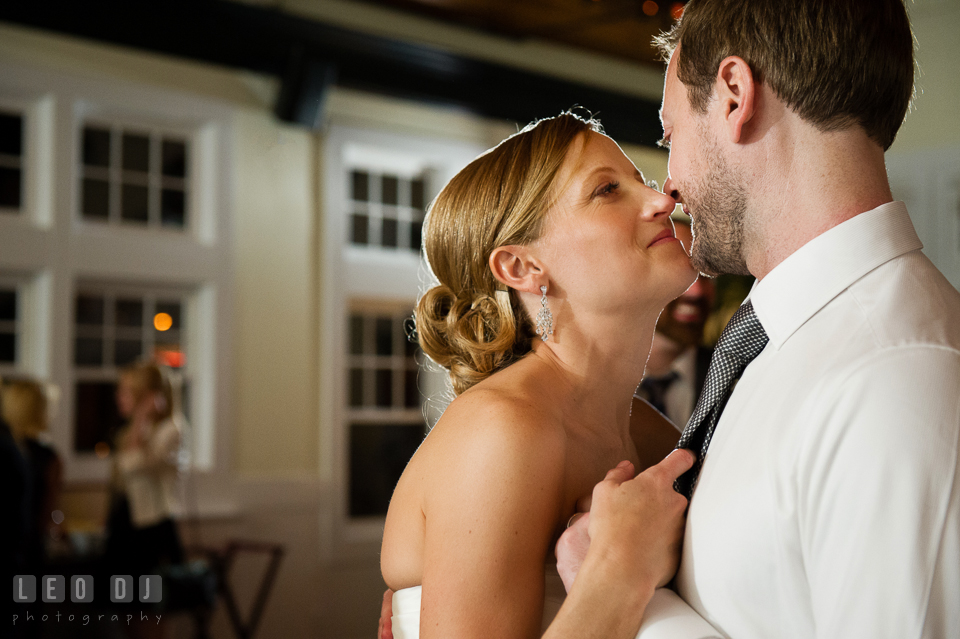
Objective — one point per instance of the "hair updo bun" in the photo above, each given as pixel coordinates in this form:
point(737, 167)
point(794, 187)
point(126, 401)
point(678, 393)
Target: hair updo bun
point(465, 323)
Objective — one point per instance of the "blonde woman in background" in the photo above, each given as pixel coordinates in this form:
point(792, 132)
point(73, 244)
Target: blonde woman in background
point(24, 409)
point(141, 532)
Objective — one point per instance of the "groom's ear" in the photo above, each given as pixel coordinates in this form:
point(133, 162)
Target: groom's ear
point(514, 266)
point(735, 90)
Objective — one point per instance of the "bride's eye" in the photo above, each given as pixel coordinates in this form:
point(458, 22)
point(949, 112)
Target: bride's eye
point(606, 189)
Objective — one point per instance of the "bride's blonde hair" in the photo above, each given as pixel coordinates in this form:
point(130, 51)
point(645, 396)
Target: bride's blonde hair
point(469, 323)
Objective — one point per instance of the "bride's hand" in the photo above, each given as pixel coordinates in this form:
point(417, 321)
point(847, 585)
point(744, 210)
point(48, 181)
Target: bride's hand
point(385, 628)
point(573, 544)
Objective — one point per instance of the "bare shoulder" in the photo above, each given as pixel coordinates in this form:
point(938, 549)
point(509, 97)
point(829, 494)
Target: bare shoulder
point(492, 424)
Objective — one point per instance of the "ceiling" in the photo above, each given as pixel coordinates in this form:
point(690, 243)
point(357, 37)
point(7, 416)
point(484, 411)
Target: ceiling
point(620, 28)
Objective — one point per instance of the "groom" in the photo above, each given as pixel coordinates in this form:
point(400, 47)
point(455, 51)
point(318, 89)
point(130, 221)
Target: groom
point(828, 501)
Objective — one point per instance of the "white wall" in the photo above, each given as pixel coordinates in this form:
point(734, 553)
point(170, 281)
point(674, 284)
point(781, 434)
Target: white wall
point(924, 162)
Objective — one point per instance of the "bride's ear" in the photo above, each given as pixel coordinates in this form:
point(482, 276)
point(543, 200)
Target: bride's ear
point(514, 266)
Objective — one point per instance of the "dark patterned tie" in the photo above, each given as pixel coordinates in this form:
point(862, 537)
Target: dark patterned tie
point(654, 390)
point(740, 342)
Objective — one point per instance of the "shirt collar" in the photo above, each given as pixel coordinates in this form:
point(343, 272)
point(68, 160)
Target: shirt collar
point(797, 288)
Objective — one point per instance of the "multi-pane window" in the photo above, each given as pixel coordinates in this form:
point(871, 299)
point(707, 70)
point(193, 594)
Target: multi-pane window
point(114, 328)
point(11, 162)
point(386, 423)
point(135, 177)
point(386, 210)
point(9, 325)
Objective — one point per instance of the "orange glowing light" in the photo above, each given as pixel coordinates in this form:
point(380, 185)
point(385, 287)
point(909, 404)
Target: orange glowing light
point(162, 321)
point(102, 450)
point(676, 10)
point(650, 8)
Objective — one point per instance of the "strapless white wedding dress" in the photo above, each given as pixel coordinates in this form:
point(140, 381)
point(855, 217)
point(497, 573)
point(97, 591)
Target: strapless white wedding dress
point(406, 606)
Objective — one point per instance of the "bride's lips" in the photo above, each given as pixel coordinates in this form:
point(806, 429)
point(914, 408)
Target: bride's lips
point(666, 235)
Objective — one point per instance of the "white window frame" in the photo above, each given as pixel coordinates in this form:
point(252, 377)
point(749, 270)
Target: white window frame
point(109, 372)
point(365, 277)
point(55, 249)
point(117, 125)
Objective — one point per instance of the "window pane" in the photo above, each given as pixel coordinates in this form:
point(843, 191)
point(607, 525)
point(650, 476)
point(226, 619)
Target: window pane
point(8, 348)
point(358, 234)
point(96, 198)
point(417, 194)
point(383, 329)
point(390, 187)
point(360, 186)
point(411, 390)
point(129, 313)
point(356, 387)
point(389, 236)
point(136, 152)
point(384, 387)
point(172, 208)
point(96, 147)
point(10, 187)
point(96, 418)
point(8, 305)
point(356, 335)
point(174, 156)
point(126, 351)
point(11, 134)
point(416, 229)
point(134, 203)
point(89, 310)
point(88, 352)
point(173, 310)
point(378, 455)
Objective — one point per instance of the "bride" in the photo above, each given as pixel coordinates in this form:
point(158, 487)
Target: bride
point(554, 259)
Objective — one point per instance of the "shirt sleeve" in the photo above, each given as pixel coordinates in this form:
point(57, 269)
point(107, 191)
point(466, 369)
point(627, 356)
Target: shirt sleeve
point(879, 502)
point(669, 617)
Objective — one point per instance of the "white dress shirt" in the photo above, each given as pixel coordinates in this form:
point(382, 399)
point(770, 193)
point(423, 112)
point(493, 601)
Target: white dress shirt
point(829, 501)
point(149, 474)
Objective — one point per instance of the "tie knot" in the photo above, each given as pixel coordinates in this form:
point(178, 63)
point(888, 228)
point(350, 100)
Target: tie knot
point(743, 337)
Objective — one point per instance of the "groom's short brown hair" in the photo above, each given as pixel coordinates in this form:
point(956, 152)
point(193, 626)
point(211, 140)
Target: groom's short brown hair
point(834, 62)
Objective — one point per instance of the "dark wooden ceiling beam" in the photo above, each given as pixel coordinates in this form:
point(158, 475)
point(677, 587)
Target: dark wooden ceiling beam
point(309, 56)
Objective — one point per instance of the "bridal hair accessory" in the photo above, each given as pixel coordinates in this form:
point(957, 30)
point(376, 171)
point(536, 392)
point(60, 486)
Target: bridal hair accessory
point(544, 317)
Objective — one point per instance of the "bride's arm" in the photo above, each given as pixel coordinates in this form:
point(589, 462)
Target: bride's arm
point(490, 519)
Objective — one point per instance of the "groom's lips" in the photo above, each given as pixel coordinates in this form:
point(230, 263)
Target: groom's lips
point(665, 235)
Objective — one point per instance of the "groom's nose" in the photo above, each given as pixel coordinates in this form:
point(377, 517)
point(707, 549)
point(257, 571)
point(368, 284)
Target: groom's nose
point(671, 189)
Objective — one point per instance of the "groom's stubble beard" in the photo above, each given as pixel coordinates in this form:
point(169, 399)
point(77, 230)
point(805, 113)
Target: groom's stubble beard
point(717, 201)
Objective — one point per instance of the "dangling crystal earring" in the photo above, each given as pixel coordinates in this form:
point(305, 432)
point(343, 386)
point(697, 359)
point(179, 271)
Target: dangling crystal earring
point(544, 317)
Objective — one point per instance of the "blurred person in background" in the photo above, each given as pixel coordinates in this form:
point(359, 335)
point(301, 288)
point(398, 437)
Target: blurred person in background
point(141, 533)
point(678, 361)
point(14, 506)
point(24, 407)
